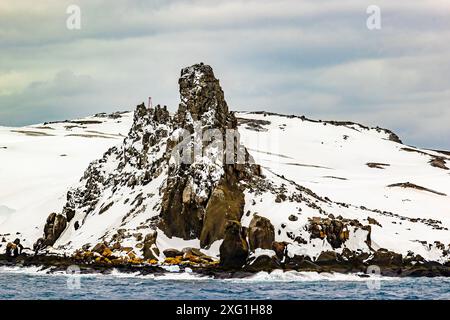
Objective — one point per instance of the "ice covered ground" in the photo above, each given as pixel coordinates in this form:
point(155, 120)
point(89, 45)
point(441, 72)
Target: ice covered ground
point(352, 164)
point(346, 163)
point(39, 163)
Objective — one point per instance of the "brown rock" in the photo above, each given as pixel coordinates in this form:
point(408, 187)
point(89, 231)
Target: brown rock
point(150, 250)
point(279, 248)
point(234, 248)
point(327, 258)
point(99, 248)
point(261, 233)
point(263, 263)
point(56, 224)
point(383, 257)
point(172, 253)
point(226, 203)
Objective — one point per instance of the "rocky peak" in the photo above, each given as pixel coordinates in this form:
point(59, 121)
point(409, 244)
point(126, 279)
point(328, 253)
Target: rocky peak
point(201, 196)
point(202, 99)
point(189, 200)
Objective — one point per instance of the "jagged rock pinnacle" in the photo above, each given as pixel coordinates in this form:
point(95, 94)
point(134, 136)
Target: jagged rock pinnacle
point(202, 98)
point(201, 196)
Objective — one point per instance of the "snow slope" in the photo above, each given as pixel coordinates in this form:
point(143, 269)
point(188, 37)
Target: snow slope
point(39, 163)
point(331, 160)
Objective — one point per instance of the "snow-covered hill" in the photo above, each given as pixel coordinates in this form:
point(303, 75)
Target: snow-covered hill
point(322, 187)
point(39, 163)
point(405, 189)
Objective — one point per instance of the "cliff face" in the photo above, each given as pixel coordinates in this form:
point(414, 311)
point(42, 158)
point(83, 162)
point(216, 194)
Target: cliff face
point(204, 192)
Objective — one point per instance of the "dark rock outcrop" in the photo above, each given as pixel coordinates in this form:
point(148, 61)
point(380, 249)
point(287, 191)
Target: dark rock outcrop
point(263, 263)
point(234, 248)
point(56, 223)
point(280, 249)
point(301, 263)
point(202, 194)
point(327, 258)
point(150, 250)
point(335, 231)
point(127, 166)
point(261, 233)
point(383, 257)
point(172, 253)
point(226, 203)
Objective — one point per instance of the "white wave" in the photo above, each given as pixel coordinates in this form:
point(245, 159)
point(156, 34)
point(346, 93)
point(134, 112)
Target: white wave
point(188, 274)
point(34, 270)
point(289, 276)
point(182, 276)
point(173, 268)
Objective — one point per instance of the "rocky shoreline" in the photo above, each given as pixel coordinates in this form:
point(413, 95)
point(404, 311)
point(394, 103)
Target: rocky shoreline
point(54, 264)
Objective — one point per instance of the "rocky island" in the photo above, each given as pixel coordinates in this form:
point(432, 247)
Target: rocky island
point(192, 190)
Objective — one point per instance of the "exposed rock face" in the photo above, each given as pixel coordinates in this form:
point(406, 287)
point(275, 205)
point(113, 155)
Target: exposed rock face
point(263, 263)
point(150, 250)
point(234, 249)
point(383, 257)
point(226, 203)
point(149, 127)
point(202, 99)
point(203, 194)
point(56, 223)
point(261, 233)
point(327, 257)
point(335, 231)
point(279, 248)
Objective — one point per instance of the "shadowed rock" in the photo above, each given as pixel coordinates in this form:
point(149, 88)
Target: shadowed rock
point(234, 248)
point(56, 223)
point(203, 194)
point(261, 233)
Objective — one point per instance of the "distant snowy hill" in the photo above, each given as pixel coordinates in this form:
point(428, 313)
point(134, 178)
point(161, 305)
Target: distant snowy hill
point(323, 186)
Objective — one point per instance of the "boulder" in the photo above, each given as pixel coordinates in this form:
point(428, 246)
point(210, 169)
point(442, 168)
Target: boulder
point(56, 224)
point(301, 263)
point(234, 248)
point(383, 257)
point(99, 248)
point(261, 233)
point(328, 258)
point(172, 253)
point(280, 249)
point(263, 263)
point(226, 203)
point(150, 250)
point(193, 251)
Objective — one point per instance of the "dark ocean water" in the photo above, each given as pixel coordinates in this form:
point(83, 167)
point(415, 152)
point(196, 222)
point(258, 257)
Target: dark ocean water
point(30, 284)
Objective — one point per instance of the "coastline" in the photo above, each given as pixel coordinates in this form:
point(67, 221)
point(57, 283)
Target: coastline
point(58, 264)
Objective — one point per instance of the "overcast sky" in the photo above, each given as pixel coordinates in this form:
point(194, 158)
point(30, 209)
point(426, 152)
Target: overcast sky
point(312, 57)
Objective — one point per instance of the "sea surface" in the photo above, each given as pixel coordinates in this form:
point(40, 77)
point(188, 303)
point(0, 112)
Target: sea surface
point(32, 283)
